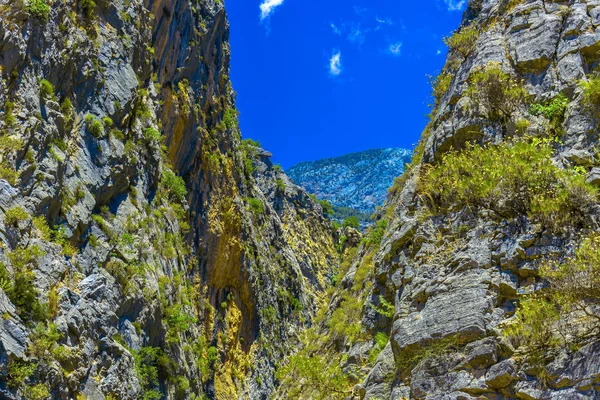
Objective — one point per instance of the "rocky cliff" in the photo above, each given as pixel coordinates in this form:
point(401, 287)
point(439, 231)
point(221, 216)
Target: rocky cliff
point(146, 251)
point(480, 278)
point(358, 180)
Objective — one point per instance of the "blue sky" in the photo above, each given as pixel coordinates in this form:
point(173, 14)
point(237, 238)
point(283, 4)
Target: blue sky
point(322, 78)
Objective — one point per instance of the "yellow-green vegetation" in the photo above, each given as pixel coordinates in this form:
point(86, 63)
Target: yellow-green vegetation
point(148, 360)
point(463, 41)
point(510, 179)
point(19, 286)
point(256, 206)
point(565, 312)
point(375, 234)
point(9, 116)
point(315, 371)
point(553, 110)
point(94, 126)
point(591, 91)
point(173, 185)
point(316, 377)
point(497, 92)
point(46, 88)
point(89, 8)
point(230, 118)
point(15, 215)
point(411, 357)
point(9, 144)
point(381, 340)
point(351, 222)
point(39, 8)
point(440, 85)
point(249, 150)
point(386, 308)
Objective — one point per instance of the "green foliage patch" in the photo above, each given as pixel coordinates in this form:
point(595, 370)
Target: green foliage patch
point(463, 41)
point(20, 287)
point(351, 222)
point(46, 89)
point(94, 126)
point(256, 206)
point(565, 312)
point(39, 9)
point(510, 179)
point(499, 93)
point(173, 185)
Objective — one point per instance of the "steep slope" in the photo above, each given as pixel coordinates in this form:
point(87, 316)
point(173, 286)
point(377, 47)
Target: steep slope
point(146, 251)
point(480, 279)
point(358, 180)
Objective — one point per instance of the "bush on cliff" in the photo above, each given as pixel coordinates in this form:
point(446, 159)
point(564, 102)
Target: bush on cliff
point(566, 310)
point(510, 179)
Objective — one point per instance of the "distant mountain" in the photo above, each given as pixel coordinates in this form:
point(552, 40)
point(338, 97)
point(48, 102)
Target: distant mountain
point(358, 180)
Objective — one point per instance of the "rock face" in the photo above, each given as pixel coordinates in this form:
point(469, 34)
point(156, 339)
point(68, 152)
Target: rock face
point(438, 285)
point(358, 180)
point(145, 250)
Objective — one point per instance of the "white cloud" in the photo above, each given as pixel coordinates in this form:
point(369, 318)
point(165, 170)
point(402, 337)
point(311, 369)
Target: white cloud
point(336, 30)
point(335, 63)
point(455, 5)
point(395, 49)
point(384, 21)
point(268, 6)
point(357, 35)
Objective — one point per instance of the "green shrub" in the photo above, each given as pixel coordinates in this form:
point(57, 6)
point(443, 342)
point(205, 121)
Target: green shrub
point(496, 91)
point(19, 372)
point(46, 90)
point(386, 309)
point(15, 215)
point(39, 9)
point(94, 126)
point(351, 222)
point(10, 143)
point(321, 379)
point(124, 274)
point(44, 340)
point(440, 85)
point(566, 310)
point(107, 121)
point(9, 117)
point(37, 392)
point(20, 288)
point(89, 8)
point(9, 174)
point(553, 110)
point(280, 185)
point(376, 235)
point(250, 142)
point(66, 108)
point(256, 206)
point(206, 357)
point(326, 206)
point(463, 41)
point(173, 185)
point(591, 91)
point(230, 118)
point(381, 340)
point(177, 319)
point(510, 179)
point(152, 135)
point(147, 363)
point(42, 226)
